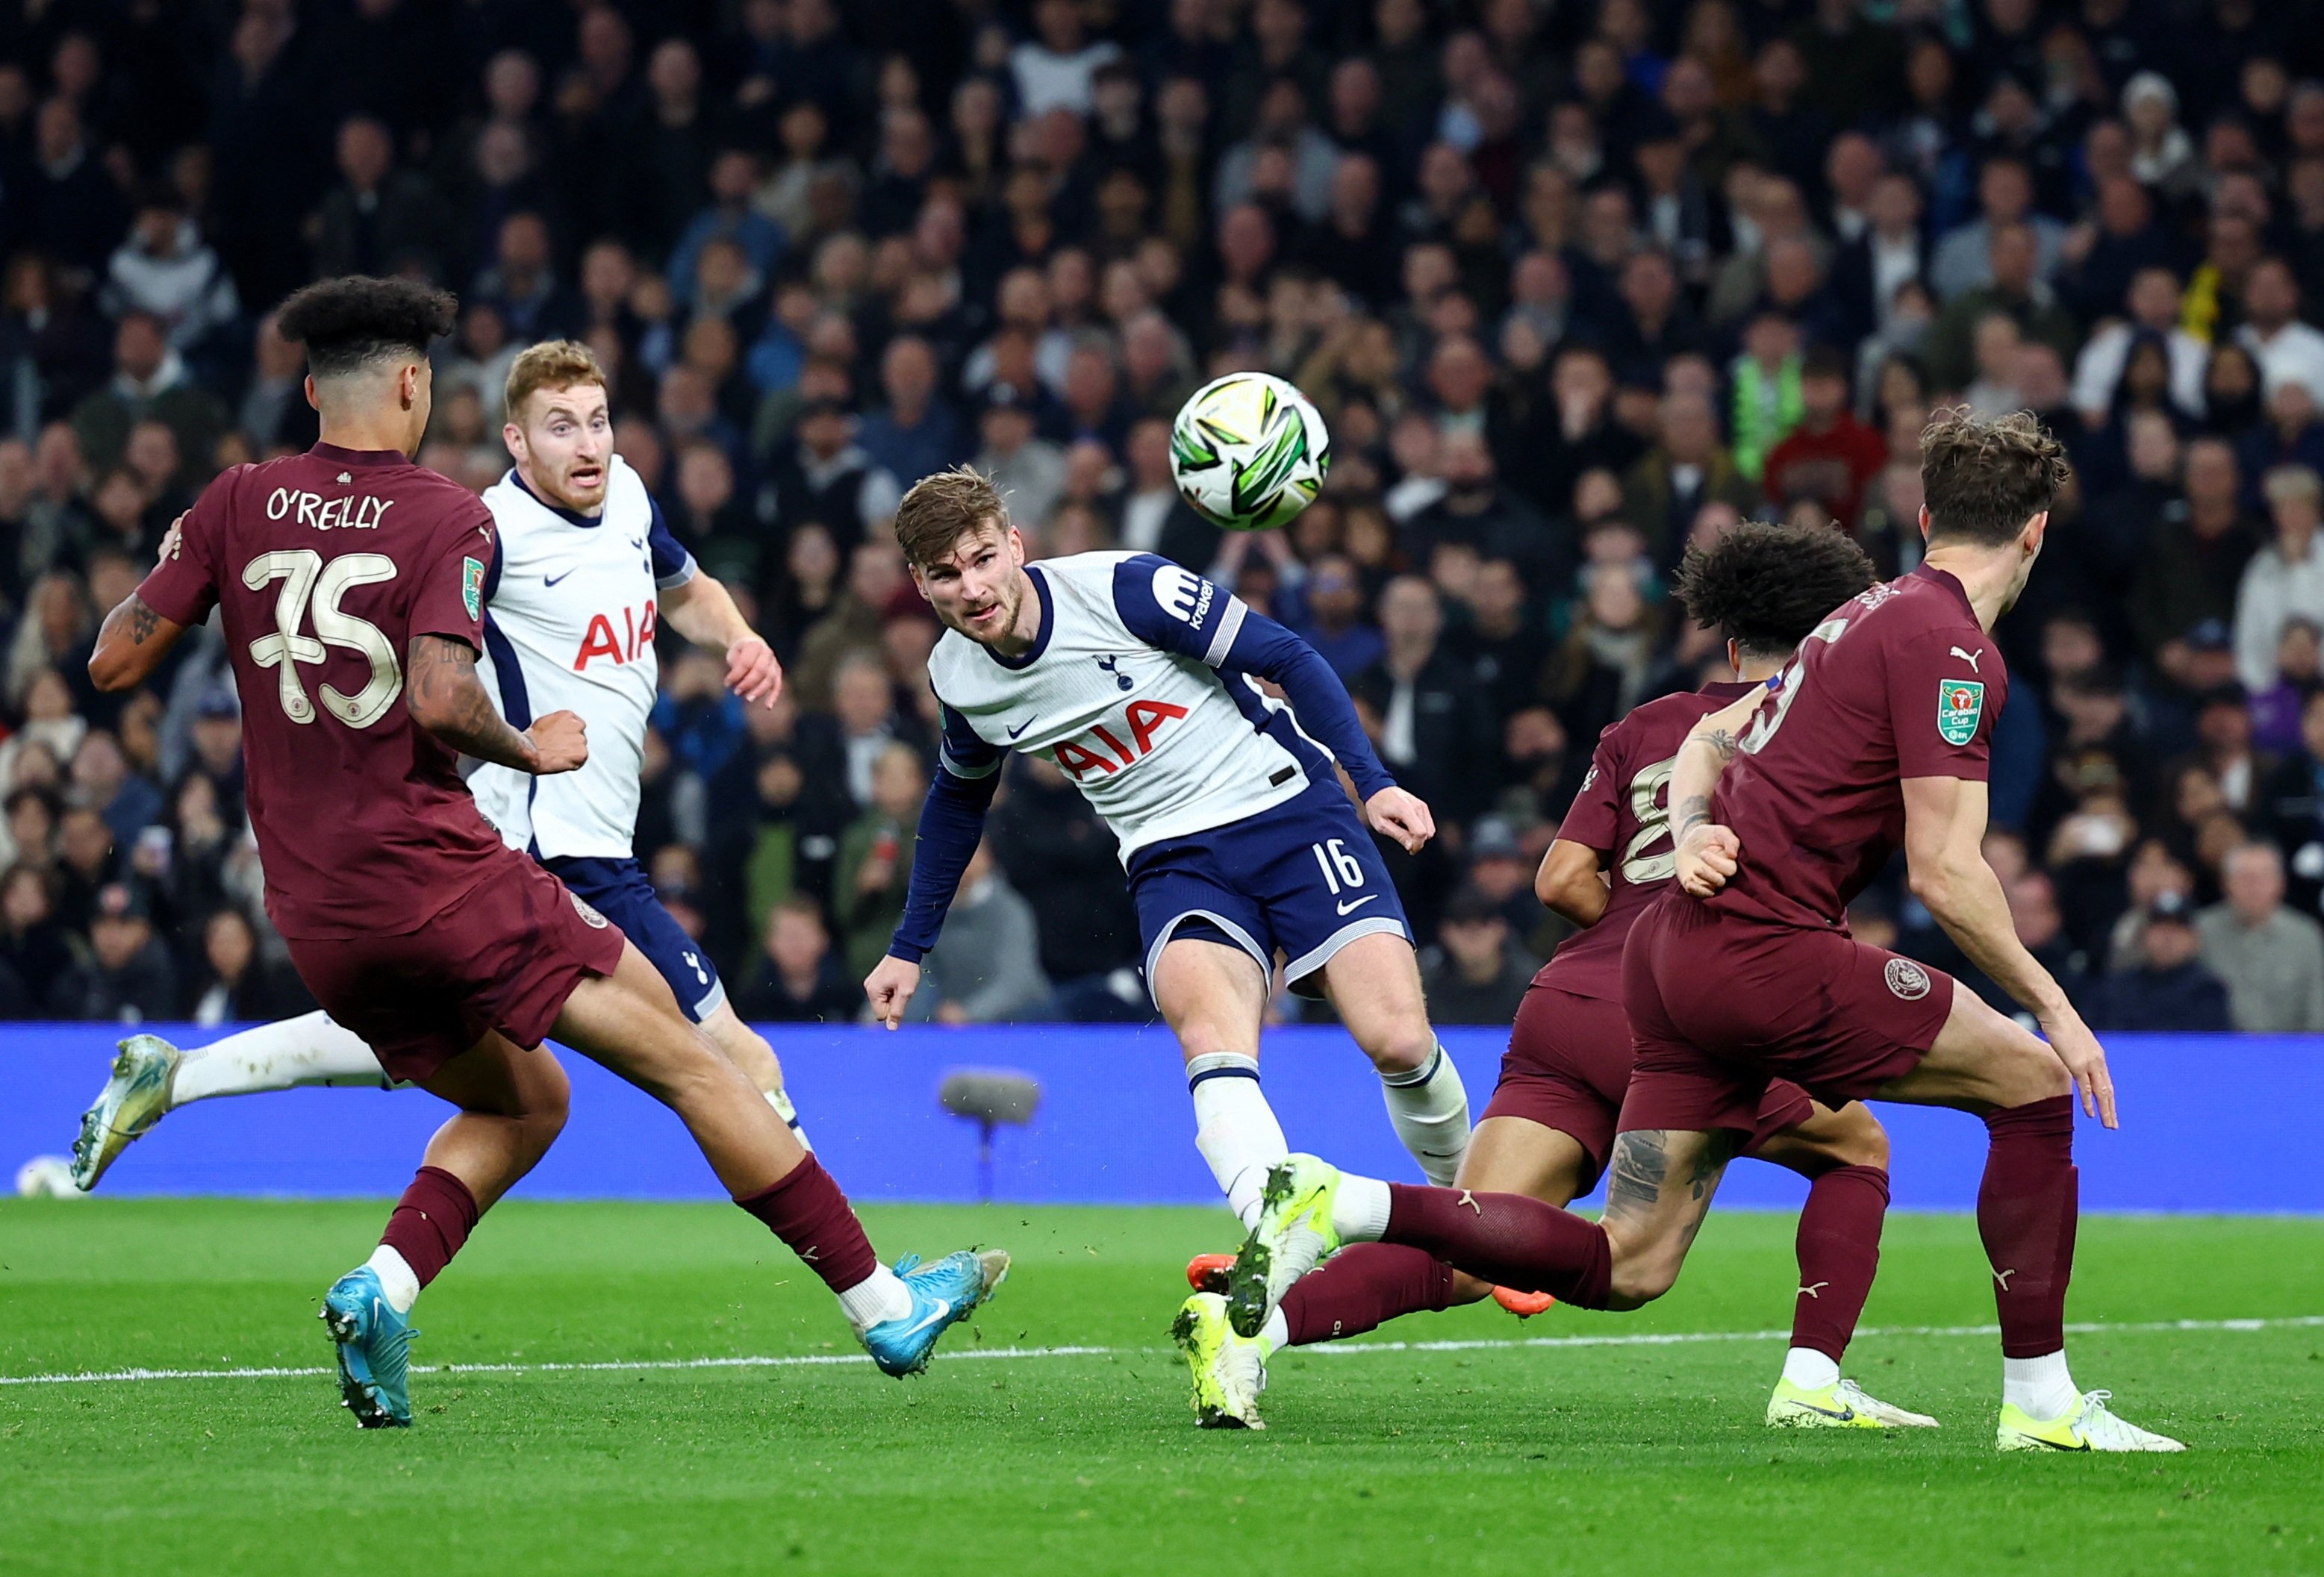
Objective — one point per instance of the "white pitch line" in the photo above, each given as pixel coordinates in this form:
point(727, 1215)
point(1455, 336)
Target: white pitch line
point(1334, 1349)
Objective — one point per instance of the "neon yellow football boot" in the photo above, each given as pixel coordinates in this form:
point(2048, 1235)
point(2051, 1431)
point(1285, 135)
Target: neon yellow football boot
point(1843, 1405)
point(2089, 1426)
point(1229, 1370)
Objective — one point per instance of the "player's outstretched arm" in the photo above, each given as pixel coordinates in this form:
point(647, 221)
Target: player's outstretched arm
point(448, 700)
point(1706, 851)
point(1570, 883)
point(131, 646)
point(952, 824)
point(703, 610)
point(1945, 857)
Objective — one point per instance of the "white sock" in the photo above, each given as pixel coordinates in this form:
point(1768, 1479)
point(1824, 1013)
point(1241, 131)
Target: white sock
point(2042, 1386)
point(396, 1278)
point(881, 1296)
point(1234, 1128)
point(781, 1101)
point(307, 1050)
point(1277, 1333)
point(1360, 1209)
point(1430, 1112)
point(1810, 1369)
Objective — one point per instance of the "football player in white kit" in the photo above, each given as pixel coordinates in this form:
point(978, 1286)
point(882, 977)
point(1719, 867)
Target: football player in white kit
point(1140, 680)
point(585, 572)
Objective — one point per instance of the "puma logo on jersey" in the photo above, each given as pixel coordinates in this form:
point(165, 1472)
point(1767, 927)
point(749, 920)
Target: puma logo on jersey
point(1470, 1199)
point(1970, 658)
point(1815, 1291)
point(2003, 1276)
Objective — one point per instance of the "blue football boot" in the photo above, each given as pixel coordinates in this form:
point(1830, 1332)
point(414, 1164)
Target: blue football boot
point(374, 1348)
point(942, 1293)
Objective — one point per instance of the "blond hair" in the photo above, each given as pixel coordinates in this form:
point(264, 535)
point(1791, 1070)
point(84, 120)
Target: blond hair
point(942, 508)
point(550, 365)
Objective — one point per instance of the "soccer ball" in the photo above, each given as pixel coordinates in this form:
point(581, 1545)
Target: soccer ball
point(47, 1176)
point(1249, 451)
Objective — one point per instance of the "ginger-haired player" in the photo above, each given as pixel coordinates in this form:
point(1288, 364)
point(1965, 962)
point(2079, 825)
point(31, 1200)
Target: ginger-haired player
point(350, 585)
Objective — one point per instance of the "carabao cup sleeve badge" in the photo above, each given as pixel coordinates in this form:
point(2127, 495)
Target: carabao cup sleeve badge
point(1960, 703)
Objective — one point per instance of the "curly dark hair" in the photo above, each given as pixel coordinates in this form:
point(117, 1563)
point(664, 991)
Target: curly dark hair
point(347, 323)
point(1765, 587)
point(1983, 479)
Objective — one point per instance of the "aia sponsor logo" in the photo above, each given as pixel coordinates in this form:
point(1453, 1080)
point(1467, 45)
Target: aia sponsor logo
point(634, 640)
point(1907, 981)
point(1105, 751)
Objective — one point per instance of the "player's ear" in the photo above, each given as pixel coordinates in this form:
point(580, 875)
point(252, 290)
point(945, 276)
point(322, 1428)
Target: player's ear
point(2030, 539)
point(1925, 522)
point(512, 439)
point(312, 400)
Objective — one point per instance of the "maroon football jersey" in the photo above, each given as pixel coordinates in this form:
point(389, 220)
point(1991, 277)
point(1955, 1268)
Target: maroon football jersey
point(1623, 811)
point(324, 566)
point(1901, 682)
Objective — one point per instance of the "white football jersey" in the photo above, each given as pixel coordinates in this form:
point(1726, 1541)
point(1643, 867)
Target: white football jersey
point(570, 609)
point(1121, 690)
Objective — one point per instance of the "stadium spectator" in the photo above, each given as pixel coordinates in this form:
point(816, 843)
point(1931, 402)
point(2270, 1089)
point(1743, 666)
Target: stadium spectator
point(799, 978)
point(2271, 959)
point(986, 968)
point(1475, 974)
point(2168, 988)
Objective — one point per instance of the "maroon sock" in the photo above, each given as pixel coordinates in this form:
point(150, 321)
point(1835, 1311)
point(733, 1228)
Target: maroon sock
point(1360, 1289)
point(1839, 1249)
point(808, 1211)
point(431, 1221)
point(2026, 1213)
point(1506, 1239)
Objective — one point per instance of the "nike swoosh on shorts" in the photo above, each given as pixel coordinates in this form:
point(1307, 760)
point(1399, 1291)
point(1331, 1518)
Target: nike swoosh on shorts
point(1353, 905)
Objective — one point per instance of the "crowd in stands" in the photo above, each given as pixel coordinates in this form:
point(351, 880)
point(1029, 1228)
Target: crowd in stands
point(1574, 284)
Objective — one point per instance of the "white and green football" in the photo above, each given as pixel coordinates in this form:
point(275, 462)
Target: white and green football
point(1249, 451)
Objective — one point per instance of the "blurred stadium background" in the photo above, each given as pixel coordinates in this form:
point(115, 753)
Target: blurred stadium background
point(1574, 285)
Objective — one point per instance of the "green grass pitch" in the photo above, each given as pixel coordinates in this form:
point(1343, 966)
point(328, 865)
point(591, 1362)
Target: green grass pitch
point(1489, 1456)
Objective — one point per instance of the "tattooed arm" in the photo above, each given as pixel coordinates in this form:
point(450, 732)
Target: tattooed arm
point(1706, 851)
point(131, 646)
point(448, 700)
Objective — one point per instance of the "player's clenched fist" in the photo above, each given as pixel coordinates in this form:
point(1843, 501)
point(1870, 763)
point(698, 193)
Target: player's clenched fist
point(560, 743)
point(890, 986)
point(1401, 816)
point(1706, 859)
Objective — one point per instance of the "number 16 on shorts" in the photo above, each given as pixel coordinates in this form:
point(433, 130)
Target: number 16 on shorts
point(1341, 871)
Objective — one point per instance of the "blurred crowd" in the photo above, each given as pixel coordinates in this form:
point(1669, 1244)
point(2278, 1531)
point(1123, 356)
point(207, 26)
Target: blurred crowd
point(1573, 284)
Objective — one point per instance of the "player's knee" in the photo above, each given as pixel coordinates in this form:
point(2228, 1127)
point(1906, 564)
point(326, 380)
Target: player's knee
point(1638, 1280)
point(1205, 1037)
point(547, 1099)
point(2033, 1073)
point(1398, 1043)
point(1862, 1143)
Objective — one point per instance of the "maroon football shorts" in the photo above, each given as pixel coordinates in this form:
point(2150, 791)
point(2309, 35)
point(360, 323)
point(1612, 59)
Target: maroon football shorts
point(1569, 1064)
point(505, 956)
point(1719, 1006)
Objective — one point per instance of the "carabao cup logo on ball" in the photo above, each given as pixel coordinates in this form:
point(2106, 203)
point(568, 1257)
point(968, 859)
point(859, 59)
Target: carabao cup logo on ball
point(1249, 451)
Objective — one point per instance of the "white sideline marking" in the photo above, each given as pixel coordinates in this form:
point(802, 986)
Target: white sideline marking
point(1336, 1349)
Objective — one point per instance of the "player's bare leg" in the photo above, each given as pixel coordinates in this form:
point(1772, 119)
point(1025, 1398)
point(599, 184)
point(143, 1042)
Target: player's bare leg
point(2027, 1210)
point(1374, 984)
point(1660, 1182)
point(1213, 996)
point(1844, 1156)
point(629, 1021)
point(747, 1051)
